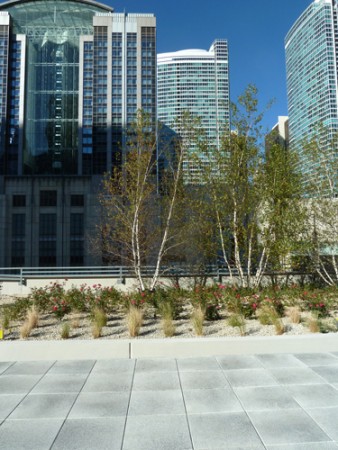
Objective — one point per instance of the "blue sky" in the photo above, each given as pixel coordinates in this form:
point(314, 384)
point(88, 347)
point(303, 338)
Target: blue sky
point(255, 30)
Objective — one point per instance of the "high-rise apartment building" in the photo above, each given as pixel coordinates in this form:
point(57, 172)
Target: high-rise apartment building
point(311, 48)
point(72, 76)
point(196, 81)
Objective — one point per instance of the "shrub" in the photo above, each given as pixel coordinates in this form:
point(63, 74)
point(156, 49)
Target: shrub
point(43, 298)
point(60, 307)
point(134, 320)
point(77, 298)
point(208, 299)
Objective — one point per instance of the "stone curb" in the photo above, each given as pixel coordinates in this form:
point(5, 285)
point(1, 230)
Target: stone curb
point(170, 348)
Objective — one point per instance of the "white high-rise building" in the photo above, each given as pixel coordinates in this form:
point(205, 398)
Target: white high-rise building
point(196, 81)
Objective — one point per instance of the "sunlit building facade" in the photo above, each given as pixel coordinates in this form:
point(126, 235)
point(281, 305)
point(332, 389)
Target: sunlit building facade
point(311, 69)
point(72, 76)
point(196, 81)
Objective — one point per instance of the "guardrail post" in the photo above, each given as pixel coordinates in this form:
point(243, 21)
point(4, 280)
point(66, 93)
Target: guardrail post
point(21, 277)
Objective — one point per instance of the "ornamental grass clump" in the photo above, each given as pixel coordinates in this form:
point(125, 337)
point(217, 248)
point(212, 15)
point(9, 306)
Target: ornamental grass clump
point(197, 321)
point(33, 317)
point(168, 325)
point(99, 320)
point(237, 321)
point(313, 324)
point(25, 330)
point(99, 317)
point(268, 315)
point(134, 319)
point(294, 314)
point(31, 322)
point(65, 331)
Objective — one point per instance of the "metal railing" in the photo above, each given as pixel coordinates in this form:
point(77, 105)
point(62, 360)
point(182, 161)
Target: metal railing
point(21, 274)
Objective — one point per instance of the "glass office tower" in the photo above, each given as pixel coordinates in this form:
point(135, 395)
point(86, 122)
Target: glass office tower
point(311, 69)
point(72, 75)
point(196, 81)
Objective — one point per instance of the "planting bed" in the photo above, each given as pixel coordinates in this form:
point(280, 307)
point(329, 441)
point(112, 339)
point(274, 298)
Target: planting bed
point(226, 311)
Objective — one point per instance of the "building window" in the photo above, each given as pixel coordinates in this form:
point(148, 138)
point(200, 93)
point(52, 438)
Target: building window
point(48, 198)
point(18, 240)
point(18, 200)
point(76, 239)
point(47, 240)
point(77, 200)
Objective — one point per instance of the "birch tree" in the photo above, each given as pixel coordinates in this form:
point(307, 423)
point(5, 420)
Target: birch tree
point(254, 198)
point(139, 223)
point(321, 183)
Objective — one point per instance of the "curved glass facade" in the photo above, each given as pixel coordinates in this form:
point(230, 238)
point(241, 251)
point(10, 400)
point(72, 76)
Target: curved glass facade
point(311, 68)
point(51, 82)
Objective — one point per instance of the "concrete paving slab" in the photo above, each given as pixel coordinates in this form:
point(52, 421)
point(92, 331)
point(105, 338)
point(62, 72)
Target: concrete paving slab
point(157, 381)
point(60, 384)
point(29, 368)
point(162, 432)
point(254, 377)
point(156, 402)
point(8, 403)
point(318, 359)
point(28, 434)
point(44, 406)
point(114, 365)
point(156, 365)
point(287, 427)
point(4, 366)
point(229, 430)
point(211, 379)
point(72, 367)
point(307, 446)
point(100, 404)
point(329, 373)
point(197, 364)
point(106, 382)
point(274, 361)
point(314, 396)
point(296, 375)
point(200, 401)
point(327, 418)
point(89, 434)
point(239, 362)
point(265, 398)
point(17, 384)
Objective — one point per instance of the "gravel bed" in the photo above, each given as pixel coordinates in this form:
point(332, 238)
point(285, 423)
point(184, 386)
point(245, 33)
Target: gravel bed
point(80, 328)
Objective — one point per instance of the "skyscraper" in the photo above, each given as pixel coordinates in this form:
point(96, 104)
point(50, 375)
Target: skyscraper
point(311, 48)
point(72, 76)
point(196, 81)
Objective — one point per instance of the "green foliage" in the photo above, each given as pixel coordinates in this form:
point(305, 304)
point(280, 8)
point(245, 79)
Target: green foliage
point(208, 299)
point(65, 330)
point(17, 310)
point(99, 317)
point(237, 321)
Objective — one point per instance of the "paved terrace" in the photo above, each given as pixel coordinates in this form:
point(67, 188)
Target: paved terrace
point(266, 401)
